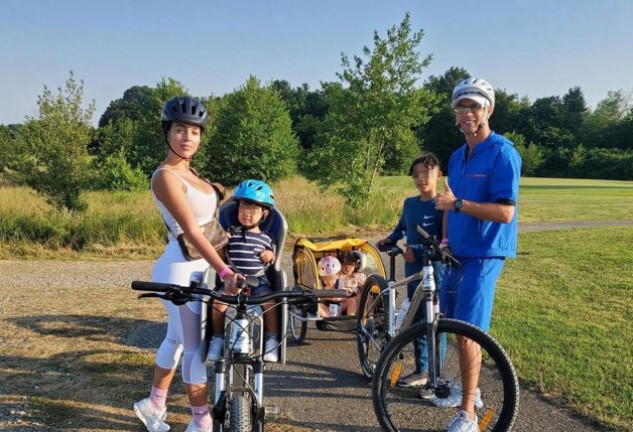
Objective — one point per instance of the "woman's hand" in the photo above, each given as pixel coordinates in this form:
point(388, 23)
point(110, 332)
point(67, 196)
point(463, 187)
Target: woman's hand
point(230, 282)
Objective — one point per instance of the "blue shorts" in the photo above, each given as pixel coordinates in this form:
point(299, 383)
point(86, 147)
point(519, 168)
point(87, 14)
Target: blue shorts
point(262, 288)
point(471, 299)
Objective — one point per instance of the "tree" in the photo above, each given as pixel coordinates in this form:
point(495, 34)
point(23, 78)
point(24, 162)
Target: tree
point(134, 104)
point(142, 106)
point(6, 145)
point(368, 128)
point(531, 154)
point(253, 137)
point(575, 110)
point(608, 125)
point(440, 135)
point(307, 109)
point(509, 113)
point(51, 153)
point(111, 166)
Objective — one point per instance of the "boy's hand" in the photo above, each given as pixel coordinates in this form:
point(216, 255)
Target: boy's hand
point(267, 256)
point(386, 240)
point(408, 255)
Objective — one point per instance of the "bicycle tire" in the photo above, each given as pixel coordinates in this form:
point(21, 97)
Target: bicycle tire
point(401, 409)
point(298, 328)
point(372, 324)
point(241, 414)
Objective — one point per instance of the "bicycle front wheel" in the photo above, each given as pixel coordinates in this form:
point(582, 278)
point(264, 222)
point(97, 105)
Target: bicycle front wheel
point(432, 408)
point(372, 324)
point(241, 414)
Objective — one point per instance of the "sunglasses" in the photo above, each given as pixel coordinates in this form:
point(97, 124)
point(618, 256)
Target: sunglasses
point(461, 109)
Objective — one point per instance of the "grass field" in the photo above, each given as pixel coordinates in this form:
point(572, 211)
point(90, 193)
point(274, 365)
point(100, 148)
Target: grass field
point(563, 311)
point(563, 306)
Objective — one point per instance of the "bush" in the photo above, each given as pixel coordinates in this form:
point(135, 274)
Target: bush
point(116, 174)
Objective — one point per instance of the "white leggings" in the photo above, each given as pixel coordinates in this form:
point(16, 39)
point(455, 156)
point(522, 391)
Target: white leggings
point(183, 322)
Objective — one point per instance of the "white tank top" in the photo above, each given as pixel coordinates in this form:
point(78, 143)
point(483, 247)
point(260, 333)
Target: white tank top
point(202, 204)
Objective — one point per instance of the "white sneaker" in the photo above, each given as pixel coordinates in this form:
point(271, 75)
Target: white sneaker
point(461, 423)
point(153, 420)
point(191, 427)
point(270, 350)
point(454, 399)
point(415, 379)
point(215, 348)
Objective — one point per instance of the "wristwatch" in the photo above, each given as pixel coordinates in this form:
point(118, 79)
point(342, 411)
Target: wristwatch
point(458, 205)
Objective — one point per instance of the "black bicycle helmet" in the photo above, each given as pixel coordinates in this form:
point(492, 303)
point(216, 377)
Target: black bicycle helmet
point(185, 109)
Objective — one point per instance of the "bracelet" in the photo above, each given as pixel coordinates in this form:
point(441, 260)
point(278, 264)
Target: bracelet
point(224, 271)
point(444, 240)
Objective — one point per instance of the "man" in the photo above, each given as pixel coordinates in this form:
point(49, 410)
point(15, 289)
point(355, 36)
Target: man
point(480, 207)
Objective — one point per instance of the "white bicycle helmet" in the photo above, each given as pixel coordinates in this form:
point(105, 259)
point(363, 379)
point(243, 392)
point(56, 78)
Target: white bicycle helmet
point(473, 88)
point(329, 265)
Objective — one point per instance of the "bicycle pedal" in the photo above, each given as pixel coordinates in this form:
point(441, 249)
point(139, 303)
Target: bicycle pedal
point(271, 411)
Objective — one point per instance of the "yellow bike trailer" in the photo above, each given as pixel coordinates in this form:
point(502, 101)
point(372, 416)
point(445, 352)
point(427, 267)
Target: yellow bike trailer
point(307, 252)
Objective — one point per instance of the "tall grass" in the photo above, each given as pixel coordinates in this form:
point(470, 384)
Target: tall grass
point(115, 223)
point(127, 224)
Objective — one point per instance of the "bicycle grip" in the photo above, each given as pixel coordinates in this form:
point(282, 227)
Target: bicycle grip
point(150, 286)
point(331, 293)
point(422, 232)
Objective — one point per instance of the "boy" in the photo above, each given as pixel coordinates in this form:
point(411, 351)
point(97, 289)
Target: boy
point(250, 250)
point(419, 210)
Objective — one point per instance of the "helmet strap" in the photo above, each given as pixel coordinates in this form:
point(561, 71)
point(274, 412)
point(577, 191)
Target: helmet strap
point(176, 153)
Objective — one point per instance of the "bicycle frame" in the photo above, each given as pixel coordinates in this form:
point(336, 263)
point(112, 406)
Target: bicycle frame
point(233, 371)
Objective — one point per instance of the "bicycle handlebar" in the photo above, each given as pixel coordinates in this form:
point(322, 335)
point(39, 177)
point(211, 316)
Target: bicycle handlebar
point(432, 243)
point(181, 294)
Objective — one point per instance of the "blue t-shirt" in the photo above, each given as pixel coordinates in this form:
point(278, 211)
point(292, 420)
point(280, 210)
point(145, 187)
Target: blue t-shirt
point(491, 174)
point(417, 212)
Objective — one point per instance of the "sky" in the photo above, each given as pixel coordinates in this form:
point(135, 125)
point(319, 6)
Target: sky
point(534, 48)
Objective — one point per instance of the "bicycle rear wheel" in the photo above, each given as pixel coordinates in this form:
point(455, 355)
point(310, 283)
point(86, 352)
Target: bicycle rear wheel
point(298, 327)
point(406, 409)
point(372, 324)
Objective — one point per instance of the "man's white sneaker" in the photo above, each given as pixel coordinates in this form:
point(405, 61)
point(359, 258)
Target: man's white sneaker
point(271, 350)
point(415, 379)
point(461, 423)
point(215, 348)
point(454, 399)
point(191, 427)
point(153, 420)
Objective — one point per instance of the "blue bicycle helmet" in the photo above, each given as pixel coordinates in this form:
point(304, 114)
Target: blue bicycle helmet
point(255, 191)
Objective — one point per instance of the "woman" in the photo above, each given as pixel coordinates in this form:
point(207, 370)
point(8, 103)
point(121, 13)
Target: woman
point(186, 202)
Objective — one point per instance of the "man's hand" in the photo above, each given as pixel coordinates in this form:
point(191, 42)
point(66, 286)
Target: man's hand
point(267, 256)
point(445, 200)
point(446, 248)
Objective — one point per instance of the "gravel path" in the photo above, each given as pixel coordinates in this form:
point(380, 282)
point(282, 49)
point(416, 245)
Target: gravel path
point(320, 387)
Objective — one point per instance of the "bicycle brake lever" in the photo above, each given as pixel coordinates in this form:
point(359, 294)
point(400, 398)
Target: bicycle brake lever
point(145, 295)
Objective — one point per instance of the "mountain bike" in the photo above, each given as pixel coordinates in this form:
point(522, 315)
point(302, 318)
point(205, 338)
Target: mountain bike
point(432, 407)
point(239, 374)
